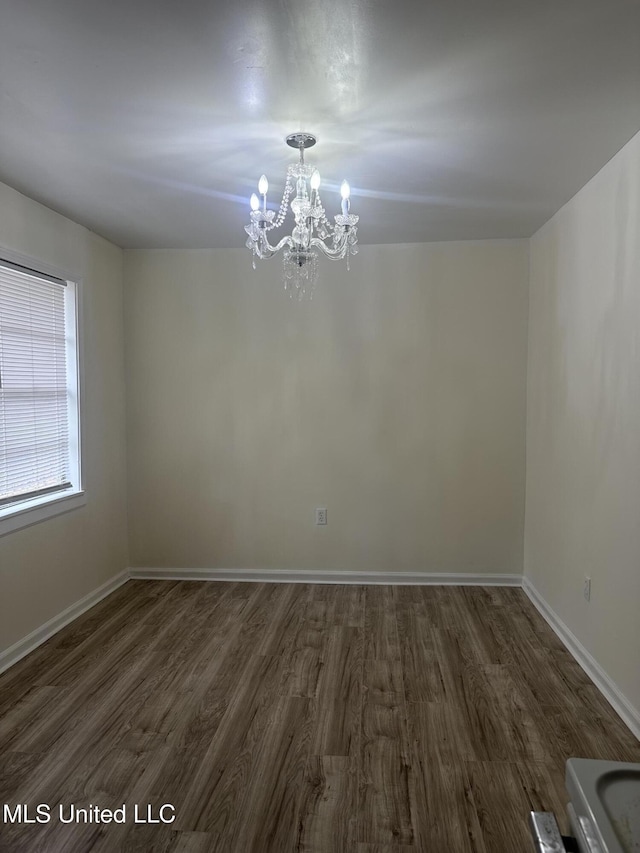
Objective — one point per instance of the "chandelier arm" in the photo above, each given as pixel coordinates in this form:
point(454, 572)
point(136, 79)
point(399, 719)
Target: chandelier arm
point(335, 254)
point(272, 250)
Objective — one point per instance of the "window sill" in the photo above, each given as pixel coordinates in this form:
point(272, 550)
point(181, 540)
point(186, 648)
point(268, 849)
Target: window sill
point(39, 509)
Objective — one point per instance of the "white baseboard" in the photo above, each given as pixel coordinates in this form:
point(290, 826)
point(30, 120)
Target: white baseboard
point(618, 701)
point(44, 632)
point(321, 576)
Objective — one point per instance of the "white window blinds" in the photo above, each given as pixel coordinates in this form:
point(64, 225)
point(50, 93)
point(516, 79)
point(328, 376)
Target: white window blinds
point(34, 394)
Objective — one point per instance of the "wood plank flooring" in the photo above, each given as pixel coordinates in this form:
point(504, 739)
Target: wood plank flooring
point(318, 719)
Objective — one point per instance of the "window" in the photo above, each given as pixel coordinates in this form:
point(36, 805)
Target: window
point(39, 400)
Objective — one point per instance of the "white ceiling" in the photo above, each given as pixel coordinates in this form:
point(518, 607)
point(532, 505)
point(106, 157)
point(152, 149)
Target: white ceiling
point(150, 121)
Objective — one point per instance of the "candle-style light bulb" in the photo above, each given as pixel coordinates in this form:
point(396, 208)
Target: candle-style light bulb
point(345, 192)
point(255, 202)
point(315, 180)
point(263, 185)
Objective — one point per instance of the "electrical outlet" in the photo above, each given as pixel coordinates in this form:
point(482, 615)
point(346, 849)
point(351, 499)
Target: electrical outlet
point(587, 588)
point(321, 515)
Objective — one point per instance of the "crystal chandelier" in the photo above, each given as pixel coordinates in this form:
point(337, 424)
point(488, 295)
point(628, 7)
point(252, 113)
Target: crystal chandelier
point(312, 231)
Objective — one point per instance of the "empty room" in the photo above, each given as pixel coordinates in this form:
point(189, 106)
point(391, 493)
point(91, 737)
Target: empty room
point(319, 426)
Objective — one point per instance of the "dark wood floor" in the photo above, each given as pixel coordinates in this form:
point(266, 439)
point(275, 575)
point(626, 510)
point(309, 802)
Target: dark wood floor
point(299, 718)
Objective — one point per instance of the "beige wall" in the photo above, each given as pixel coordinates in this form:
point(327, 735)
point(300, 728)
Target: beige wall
point(51, 565)
point(583, 425)
point(395, 398)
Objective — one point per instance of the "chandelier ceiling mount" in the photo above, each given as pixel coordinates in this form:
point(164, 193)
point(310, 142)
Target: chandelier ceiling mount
point(301, 140)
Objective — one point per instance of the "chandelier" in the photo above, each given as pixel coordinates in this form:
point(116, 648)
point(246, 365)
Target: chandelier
point(312, 232)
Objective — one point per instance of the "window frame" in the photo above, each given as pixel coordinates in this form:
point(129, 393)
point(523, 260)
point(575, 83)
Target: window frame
point(24, 513)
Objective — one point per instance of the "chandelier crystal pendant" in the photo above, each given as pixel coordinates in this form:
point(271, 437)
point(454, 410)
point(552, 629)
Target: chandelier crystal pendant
point(312, 232)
